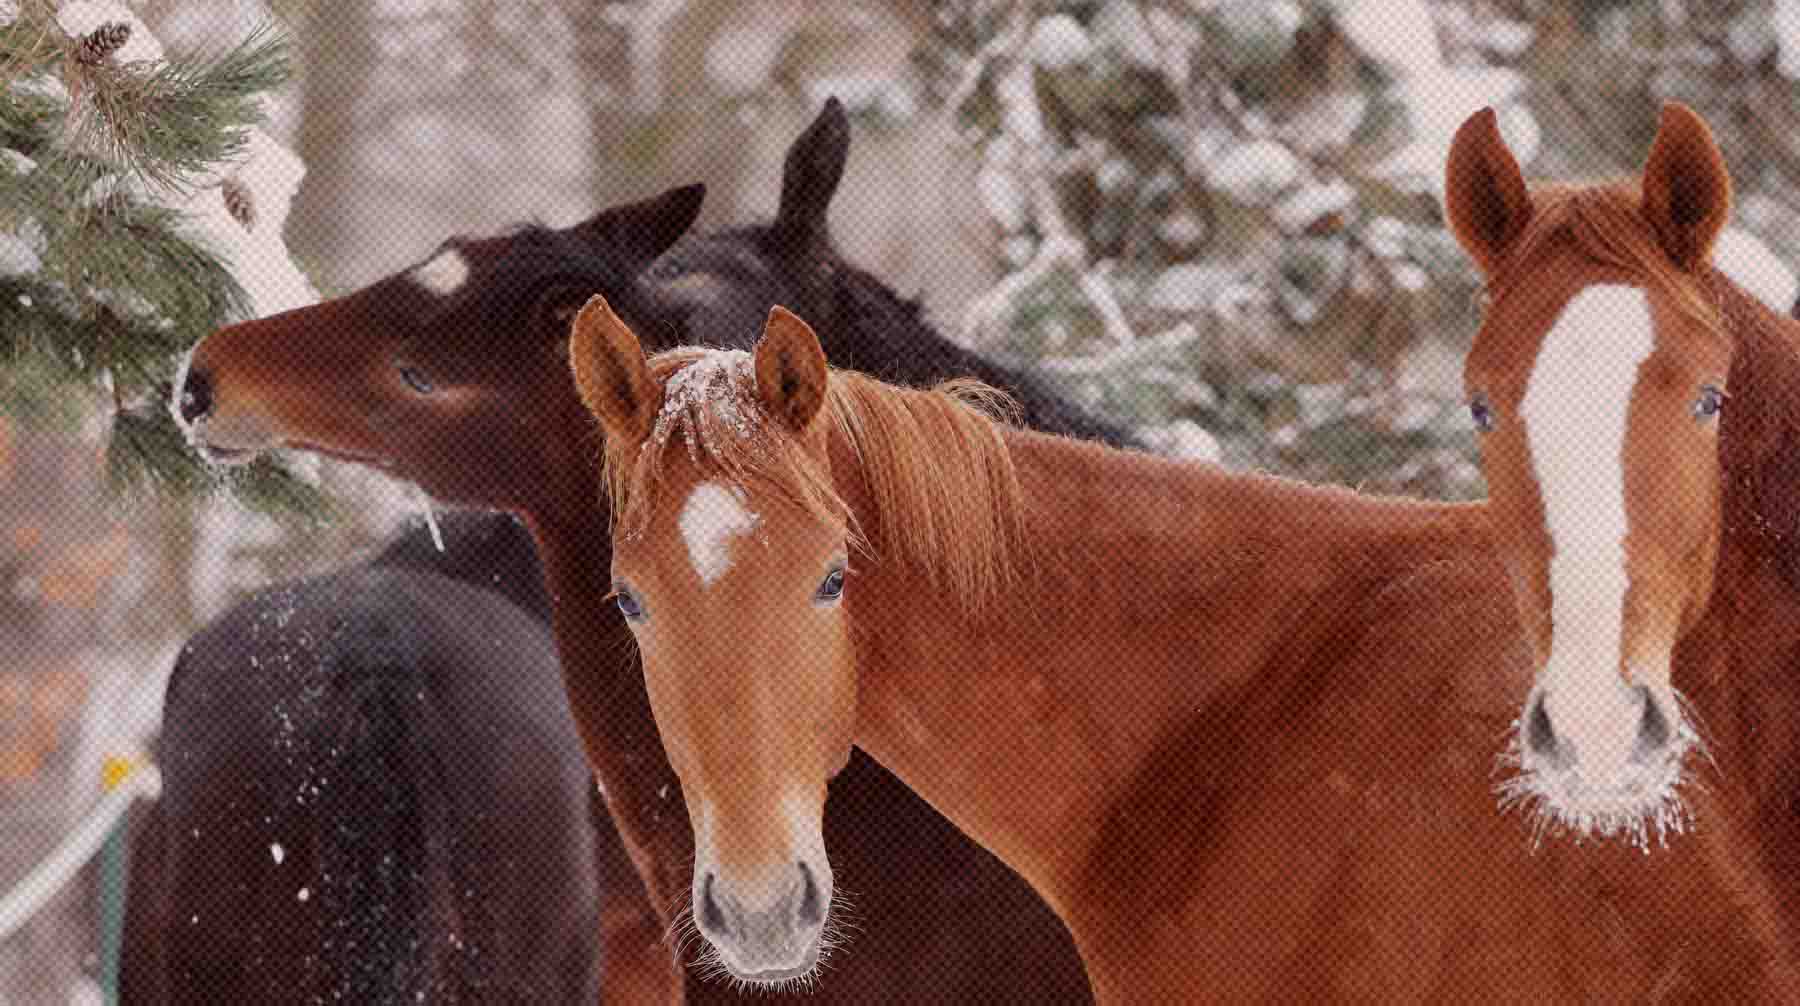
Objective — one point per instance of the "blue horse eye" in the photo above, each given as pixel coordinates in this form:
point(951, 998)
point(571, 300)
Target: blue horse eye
point(415, 380)
point(629, 605)
point(1709, 403)
point(1482, 413)
point(833, 587)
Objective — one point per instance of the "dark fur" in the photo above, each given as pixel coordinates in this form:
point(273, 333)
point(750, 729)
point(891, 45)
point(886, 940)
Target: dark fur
point(863, 323)
point(397, 728)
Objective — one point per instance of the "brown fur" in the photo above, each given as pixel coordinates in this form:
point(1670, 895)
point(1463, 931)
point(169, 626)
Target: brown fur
point(1236, 730)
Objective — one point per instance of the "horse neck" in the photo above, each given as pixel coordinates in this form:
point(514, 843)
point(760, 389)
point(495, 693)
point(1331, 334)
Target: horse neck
point(1741, 663)
point(870, 328)
point(1155, 592)
point(606, 691)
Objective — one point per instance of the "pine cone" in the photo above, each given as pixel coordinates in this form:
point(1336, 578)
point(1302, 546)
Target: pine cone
point(238, 202)
point(97, 45)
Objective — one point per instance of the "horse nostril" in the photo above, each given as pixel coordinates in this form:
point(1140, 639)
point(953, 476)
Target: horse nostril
point(1654, 730)
point(196, 396)
point(711, 918)
point(812, 907)
point(1539, 736)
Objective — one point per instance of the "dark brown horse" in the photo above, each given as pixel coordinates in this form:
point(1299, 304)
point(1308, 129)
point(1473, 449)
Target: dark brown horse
point(373, 792)
point(1641, 418)
point(454, 374)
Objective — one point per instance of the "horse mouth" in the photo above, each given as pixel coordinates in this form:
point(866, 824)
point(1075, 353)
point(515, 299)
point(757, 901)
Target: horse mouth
point(1642, 803)
point(779, 976)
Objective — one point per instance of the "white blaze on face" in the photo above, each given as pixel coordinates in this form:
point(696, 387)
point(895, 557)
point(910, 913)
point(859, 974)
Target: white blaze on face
point(1575, 413)
point(714, 517)
point(444, 274)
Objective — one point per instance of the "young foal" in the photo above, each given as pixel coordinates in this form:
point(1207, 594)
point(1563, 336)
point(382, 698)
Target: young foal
point(1641, 413)
point(453, 374)
point(1229, 726)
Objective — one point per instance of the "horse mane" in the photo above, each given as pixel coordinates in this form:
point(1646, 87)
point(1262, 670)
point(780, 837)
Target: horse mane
point(1604, 223)
point(945, 494)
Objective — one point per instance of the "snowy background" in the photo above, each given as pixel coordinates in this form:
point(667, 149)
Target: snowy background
point(1214, 221)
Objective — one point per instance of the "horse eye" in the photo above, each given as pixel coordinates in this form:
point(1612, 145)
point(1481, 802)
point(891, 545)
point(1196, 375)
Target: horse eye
point(415, 380)
point(1481, 413)
point(629, 606)
point(833, 587)
point(1709, 403)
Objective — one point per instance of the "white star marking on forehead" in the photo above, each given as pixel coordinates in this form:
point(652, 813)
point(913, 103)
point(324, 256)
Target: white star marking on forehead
point(444, 274)
point(712, 520)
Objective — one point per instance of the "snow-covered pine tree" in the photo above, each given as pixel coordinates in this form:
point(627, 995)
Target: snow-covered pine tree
point(130, 227)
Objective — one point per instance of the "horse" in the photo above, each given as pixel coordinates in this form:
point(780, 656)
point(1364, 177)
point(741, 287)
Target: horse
point(453, 374)
point(1620, 378)
point(1224, 723)
point(373, 792)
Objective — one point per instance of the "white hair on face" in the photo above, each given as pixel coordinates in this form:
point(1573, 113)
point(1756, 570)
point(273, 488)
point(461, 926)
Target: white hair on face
point(713, 518)
point(1575, 412)
point(444, 274)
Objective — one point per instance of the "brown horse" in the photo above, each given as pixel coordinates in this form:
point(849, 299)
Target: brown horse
point(454, 375)
point(1641, 414)
point(1231, 727)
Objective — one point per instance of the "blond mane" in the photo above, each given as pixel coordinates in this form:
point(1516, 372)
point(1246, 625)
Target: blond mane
point(944, 492)
point(1604, 223)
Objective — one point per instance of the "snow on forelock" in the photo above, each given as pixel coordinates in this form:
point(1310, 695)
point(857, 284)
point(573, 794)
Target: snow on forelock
point(1751, 264)
point(83, 16)
point(715, 382)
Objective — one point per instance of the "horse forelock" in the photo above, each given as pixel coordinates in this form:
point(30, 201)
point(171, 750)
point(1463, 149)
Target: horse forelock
point(1605, 225)
point(944, 495)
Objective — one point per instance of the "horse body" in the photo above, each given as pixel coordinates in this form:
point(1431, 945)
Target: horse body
point(466, 391)
point(1220, 794)
point(348, 764)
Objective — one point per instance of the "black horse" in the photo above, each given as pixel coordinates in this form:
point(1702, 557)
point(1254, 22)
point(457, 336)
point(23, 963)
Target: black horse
point(373, 792)
point(711, 289)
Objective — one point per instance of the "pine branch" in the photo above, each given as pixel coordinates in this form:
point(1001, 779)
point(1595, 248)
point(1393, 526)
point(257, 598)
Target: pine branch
point(101, 288)
point(172, 123)
point(148, 457)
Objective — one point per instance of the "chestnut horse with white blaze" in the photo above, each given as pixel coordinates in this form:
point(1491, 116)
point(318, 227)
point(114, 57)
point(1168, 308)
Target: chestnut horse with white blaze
point(1641, 414)
point(1231, 727)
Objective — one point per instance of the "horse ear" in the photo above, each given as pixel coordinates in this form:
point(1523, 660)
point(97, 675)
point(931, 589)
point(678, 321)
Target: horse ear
point(643, 230)
point(1484, 191)
point(1687, 189)
point(611, 372)
point(790, 369)
point(810, 175)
